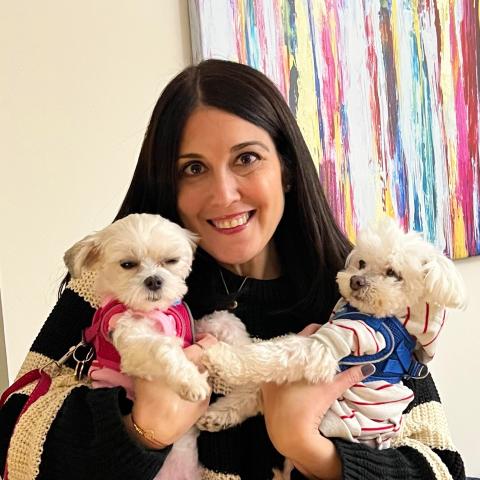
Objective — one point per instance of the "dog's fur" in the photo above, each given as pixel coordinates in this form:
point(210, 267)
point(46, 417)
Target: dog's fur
point(150, 246)
point(397, 270)
point(420, 273)
point(125, 255)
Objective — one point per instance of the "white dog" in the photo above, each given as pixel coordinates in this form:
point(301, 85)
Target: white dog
point(141, 263)
point(395, 288)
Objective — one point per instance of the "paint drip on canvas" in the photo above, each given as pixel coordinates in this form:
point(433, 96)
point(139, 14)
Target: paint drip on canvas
point(386, 93)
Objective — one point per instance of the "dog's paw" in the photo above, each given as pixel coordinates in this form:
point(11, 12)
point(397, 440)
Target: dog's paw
point(195, 391)
point(214, 421)
point(320, 375)
point(210, 423)
point(321, 367)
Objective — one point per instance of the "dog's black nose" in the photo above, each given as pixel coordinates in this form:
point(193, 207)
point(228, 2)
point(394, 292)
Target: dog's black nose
point(153, 283)
point(357, 282)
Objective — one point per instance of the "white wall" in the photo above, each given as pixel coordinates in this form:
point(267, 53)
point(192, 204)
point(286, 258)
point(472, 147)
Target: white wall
point(78, 82)
point(456, 367)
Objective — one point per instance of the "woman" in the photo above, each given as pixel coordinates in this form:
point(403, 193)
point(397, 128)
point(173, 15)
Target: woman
point(224, 157)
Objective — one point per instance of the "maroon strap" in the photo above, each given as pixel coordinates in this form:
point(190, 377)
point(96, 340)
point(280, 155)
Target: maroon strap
point(44, 382)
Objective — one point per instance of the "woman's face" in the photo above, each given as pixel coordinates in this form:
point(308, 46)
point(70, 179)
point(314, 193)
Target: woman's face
point(230, 190)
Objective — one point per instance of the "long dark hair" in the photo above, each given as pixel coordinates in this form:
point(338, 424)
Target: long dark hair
point(310, 245)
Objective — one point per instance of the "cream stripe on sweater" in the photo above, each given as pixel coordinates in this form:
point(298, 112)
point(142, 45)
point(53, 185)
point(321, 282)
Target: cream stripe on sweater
point(424, 427)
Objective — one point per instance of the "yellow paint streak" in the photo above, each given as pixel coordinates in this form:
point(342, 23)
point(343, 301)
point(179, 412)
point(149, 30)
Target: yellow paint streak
point(389, 210)
point(458, 225)
point(459, 240)
point(348, 213)
point(395, 42)
point(241, 27)
point(307, 112)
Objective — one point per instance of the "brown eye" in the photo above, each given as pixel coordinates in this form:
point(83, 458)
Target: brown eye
point(128, 265)
point(362, 264)
point(248, 158)
point(392, 273)
point(192, 169)
point(171, 261)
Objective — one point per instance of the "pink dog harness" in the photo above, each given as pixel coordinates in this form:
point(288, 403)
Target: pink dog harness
point(105, 369)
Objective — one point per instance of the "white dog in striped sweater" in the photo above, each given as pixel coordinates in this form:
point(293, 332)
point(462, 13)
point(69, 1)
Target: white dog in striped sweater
point(395, 289)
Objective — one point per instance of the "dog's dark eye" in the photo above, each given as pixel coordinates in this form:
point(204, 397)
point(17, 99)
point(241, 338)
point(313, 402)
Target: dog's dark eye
point(362, 264)
point(392, 273)
point(128, 265)
point(171, 261)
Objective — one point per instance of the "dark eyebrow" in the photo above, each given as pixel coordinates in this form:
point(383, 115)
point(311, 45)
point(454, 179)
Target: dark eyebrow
point(247, 144)
point(235, 148)
point(190, 155)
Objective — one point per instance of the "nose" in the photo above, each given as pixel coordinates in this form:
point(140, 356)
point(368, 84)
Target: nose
point(357, 282)
point(153, 283)
point(224, 188)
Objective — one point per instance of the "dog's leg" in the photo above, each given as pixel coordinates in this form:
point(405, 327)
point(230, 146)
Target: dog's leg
point(242, 403)
point(286, 359)
point(225, 326)
point(148, 354)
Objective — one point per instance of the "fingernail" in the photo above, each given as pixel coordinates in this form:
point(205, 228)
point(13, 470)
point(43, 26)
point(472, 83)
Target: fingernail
point(368, 369)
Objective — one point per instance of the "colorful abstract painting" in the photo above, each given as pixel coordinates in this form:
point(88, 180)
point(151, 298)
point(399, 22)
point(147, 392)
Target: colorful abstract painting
point(386, 93)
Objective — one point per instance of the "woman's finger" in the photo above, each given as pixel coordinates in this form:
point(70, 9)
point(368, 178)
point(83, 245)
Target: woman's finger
point(195, 351)
point(348, 378)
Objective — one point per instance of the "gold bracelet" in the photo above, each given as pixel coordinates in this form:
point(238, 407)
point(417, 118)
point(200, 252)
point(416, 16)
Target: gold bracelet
point(147, 434)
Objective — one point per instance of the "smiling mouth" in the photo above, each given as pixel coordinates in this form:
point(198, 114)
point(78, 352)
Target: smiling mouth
point(232, 222)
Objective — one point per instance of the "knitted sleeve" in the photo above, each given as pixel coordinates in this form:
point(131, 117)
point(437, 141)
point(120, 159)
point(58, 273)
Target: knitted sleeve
point(422, 451)
point(73, 431)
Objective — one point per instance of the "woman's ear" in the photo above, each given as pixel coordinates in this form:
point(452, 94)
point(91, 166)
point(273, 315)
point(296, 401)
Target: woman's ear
point(286, 175)
point(83, 254)
point(443, 283)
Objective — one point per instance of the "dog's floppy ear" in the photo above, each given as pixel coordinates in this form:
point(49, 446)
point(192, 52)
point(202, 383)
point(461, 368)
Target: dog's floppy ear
point(192, 238)
point(82, 255)
point(443, 283)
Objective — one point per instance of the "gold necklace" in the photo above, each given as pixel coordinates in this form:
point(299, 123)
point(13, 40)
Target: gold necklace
point(234, 304)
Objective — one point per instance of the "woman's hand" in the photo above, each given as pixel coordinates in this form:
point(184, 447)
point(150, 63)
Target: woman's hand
point(159, 408)
point(293, 413)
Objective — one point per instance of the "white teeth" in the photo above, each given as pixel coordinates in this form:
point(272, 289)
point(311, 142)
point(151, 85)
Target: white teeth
point(232, 222)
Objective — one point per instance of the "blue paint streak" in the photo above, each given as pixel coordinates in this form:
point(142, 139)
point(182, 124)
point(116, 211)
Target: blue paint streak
point(400, 177)
point(252, 43)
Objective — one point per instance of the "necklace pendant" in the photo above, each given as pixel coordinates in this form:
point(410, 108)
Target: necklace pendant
point(233, 305)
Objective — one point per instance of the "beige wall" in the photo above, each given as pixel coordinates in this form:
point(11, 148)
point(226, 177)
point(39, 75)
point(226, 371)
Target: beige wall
point(3, 354)
point(78, 82)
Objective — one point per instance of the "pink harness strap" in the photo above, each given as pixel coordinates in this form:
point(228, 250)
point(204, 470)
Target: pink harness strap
point(97, 334)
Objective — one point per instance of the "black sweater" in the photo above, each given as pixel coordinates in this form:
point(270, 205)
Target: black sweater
point(87, 439)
